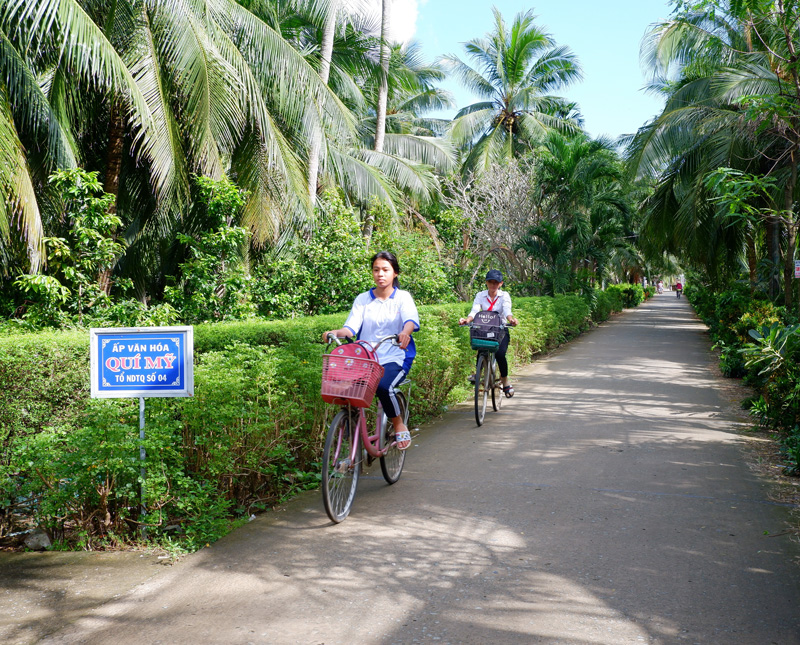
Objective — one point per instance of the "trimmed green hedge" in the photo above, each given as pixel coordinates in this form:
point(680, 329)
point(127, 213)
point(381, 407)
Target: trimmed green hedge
point(605, 303)
point(632, 295)
point(251, 435)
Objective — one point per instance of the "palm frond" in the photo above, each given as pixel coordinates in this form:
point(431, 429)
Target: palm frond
point(20, 210)
point(430, 151)
point(357, 177)
point(472, 80)
point(414, 179)
point(33, 111)
point(467, 127)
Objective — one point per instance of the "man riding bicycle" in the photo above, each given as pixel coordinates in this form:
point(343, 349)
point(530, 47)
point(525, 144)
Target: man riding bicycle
point(495, 299)
point(383, 310)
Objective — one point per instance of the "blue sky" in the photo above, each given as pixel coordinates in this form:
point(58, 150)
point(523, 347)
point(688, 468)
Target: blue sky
point(605, 36)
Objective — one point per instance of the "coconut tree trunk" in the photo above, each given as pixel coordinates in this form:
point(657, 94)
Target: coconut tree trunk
point(116, 139)
point(752, 259)
point(791, 234)
point(326, 54)
point(774, 253)
point(383, 96)
point(383, 93)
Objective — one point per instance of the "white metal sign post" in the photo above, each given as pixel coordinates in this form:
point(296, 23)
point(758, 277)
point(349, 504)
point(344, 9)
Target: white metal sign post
point(142, 362)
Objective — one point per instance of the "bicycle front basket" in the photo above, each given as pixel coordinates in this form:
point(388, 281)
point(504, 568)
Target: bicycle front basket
point(487, 331)
point(484, 344)
point(349, 376)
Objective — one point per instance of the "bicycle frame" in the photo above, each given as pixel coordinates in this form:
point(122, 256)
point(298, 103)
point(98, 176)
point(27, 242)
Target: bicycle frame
point(491, 384)
point(370, 442)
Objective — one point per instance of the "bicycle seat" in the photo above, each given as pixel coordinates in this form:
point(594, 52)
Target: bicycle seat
point(405, 381)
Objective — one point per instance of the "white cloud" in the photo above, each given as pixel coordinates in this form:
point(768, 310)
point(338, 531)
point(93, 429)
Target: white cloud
point(404, 20)
point(404, 14)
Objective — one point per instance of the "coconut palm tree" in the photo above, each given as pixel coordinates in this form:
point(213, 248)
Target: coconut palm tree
point(171, 88)
point(403, 168)
point(733, 95)
point(516, 70)
point(412, 93)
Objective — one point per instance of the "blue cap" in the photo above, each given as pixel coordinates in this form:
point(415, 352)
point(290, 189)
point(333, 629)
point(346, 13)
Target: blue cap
point(494, 274)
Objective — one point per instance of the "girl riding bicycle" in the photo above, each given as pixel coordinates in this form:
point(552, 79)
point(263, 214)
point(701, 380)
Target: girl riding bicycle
point(495, 299)
point(384, 310)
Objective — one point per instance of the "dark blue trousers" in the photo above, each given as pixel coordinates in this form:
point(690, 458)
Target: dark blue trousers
point(392, 375)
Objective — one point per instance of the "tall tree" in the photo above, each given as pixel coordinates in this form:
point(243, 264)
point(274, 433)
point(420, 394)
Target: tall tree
point(207, 89)
point(326, 53)
point(517, 68)
point(733, 101)
point(383, 90)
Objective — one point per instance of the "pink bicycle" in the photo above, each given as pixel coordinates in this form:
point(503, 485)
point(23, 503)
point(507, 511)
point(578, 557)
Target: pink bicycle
point(350, 378)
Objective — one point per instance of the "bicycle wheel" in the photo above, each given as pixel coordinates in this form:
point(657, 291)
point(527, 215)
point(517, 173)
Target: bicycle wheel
point(497, 386)
point(481, 389)
point(339, 475)
point(392, 462)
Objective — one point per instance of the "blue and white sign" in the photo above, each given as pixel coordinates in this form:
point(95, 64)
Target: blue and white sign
point(142, 362)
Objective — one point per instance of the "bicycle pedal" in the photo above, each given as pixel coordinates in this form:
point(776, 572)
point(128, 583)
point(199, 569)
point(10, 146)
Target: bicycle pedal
point(343, 466)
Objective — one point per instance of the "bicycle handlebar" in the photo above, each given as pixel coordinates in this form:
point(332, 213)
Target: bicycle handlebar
point(502, 324)
point(375, 344)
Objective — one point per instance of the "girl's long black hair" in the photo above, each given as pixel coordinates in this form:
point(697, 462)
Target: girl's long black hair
point(391, 259)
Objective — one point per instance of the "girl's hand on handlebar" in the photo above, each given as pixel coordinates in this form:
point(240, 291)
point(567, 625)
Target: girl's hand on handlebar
point(403, 339)
point(513, 321)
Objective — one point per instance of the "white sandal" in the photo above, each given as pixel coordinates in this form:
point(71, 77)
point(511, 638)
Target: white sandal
point(401, 437)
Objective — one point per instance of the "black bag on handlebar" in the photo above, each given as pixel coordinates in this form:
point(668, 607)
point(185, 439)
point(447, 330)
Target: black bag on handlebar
point(486, 331)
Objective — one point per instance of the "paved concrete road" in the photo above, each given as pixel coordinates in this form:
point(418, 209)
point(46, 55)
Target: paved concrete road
point(608, 502)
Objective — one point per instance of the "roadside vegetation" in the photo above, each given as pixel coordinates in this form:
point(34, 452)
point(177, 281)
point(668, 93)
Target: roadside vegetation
point(232, 166)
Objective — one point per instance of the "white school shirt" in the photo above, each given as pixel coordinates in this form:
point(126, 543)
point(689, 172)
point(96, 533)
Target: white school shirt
point(482, 302)
point(371, 319)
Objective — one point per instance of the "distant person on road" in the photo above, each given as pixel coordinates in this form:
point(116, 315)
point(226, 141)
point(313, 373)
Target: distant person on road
point(679, 288)
point(495, 299)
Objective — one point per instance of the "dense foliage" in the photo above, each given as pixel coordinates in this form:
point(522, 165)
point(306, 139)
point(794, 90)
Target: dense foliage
point(243, 158)
point(722, 155)
point(760, 342)
point(233, 165)
point(722, 159)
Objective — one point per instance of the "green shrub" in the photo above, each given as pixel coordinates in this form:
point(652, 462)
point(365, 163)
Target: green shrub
point(758, 341)
point(320, 275)
point(632, 295)
point(604, 304)
point(790, 449)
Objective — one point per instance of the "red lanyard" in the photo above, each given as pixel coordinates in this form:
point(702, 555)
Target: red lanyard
point(492, 303)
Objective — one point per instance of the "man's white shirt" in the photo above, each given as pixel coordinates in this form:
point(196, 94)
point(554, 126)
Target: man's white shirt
point(483, 302)
point(371, 319)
